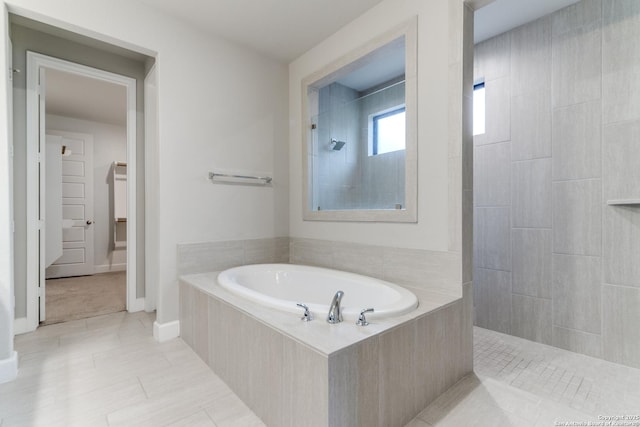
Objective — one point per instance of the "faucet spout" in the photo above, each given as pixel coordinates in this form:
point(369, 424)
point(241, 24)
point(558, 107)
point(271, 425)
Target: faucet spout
point(335, 314)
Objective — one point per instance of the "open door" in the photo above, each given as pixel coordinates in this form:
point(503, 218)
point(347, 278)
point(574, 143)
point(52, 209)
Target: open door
point(53, 222)
point(76, 199)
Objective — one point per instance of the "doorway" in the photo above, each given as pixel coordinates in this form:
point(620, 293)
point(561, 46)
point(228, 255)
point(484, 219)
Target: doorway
point(67, 249)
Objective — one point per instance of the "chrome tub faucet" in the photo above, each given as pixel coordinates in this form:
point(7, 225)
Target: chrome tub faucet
point(335, 314)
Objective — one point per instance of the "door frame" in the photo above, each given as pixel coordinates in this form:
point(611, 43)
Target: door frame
point(35, 142)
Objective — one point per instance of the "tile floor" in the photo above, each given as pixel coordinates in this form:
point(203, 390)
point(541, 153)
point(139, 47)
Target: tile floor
point(108, 371)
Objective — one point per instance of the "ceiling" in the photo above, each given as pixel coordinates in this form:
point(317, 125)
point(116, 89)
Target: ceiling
point(504, 15)
point(380, 66)
point(85, 98)
point(281, 29)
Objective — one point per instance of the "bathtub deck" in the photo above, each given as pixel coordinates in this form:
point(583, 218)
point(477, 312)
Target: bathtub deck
point(286, 370)
point(318, 334)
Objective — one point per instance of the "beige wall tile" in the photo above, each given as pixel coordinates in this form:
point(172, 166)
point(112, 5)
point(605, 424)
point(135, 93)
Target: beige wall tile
point(620, 331)
point(492, 297)
point(187, 312)
point(308, 392)
point(531, 57)
point(311, 252)
point(531, 125)
point(577, 282)
point(208, 256)
point(497, 110)
point(577, 141)
point(531, 318)
point(577, 217)
point(492, 183)
point(531, 251)
point(422, 269)
point(578, 341)
point(492, 58)
point(577, 65)
point(361, 259)
point(201, 326)
point(397, 379)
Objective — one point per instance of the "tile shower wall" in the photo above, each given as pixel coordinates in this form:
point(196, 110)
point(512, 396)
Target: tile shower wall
point(336, 172)
point(554, 262)
point(351, 178)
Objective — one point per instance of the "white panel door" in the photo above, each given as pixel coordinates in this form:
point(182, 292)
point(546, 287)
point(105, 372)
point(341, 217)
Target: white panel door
point(77, 207)
point(53, 208)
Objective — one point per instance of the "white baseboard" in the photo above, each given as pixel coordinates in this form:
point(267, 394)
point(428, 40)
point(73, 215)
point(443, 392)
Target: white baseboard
point(106, 268)
point(21, 326)
point(136, 305)
point(9, 368)
point(166, 331)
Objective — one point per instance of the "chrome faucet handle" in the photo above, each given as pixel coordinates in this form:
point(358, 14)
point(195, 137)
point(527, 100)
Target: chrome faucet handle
point(362, 320)
point(307, 316)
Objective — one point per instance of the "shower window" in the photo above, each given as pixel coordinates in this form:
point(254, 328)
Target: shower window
point(388, 131)
point(478, 108)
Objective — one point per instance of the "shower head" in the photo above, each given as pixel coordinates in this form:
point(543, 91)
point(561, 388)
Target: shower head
point(336, 145)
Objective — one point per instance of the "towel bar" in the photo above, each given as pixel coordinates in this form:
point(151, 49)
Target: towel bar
point(265, 179)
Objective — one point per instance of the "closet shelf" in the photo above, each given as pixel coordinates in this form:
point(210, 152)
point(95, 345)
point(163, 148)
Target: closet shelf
point(624, 202)
point(120, 204)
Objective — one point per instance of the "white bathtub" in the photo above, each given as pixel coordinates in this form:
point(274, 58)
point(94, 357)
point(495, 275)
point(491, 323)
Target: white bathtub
point(281, 286)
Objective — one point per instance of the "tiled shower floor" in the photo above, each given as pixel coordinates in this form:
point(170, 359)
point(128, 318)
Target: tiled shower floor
point(522, 383)
point(108, 371)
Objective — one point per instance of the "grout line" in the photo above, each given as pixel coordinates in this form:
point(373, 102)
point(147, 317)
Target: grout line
point(576, 330)
point(490, 143)
point(492, 269)
point(577, 179)
point(520, 294)
point(492, 206)
point(637, 288)
point(142, 386)
point(209, 416)
point(575, 255)
point(531, 228)
point(602, 183)
point(531, 160)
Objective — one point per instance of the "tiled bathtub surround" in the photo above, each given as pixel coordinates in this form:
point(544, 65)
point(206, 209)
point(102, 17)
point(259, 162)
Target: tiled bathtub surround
point(218, 256)
point(554, 263)
point(414, 268)
point(315, 374)
point(422, 269)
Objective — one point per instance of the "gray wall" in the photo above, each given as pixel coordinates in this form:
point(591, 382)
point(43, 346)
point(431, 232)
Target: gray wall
point(24, 39)
point(554, 263)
